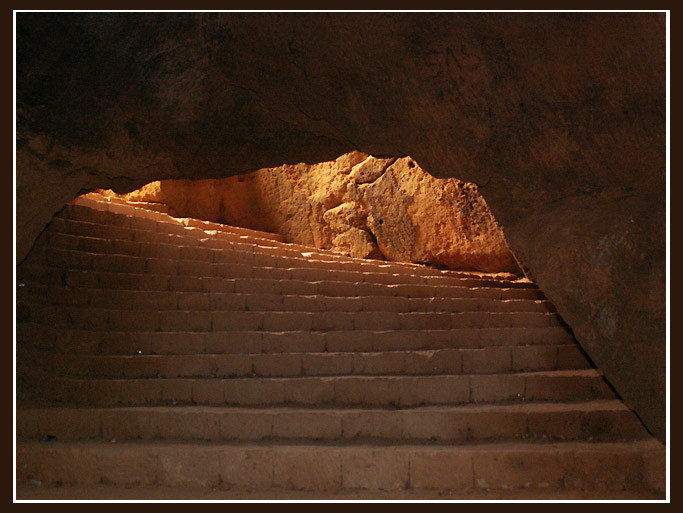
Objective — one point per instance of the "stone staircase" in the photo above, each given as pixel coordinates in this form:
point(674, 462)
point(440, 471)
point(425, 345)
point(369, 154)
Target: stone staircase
point(176, 352)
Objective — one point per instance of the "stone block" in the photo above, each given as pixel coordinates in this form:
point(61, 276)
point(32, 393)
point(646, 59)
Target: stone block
point(309, 390)
point(196, 253)
point(602, 469)
point(186, 320)
point(282, 364)
point(333, 320)
point(188, 466)
point(208, 391)
point(515, 468)
point(434, 424)
point(130, 424)
point(499, 424)
point(529, 358)
point(194, 268)
point(379, 363)
point(441, 470)
point(497, 387)
point(237, 321)
point(375, 469)
point(192, 425)
point(440, 361)
point(367, 390)
point(248, 468)
point(69, 423)
point(246, 425)
point(308, 424)
point(193, 301)
point(307, 469)
point(288, 321)
point(294, 341)
point(175, 343)
point(347, 341)
point(176, 390)
point(321, 364)
point(488, 360)
point(375, 321)
point(233, 342)
point(230, 365)
point(226, 301)
point(254, 391)
point(433, 390)
point(372, 424)
point(186, 283)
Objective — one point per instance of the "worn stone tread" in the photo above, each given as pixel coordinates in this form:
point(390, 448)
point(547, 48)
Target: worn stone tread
point(347, 466)
point(69, 340)
point(451, 360)
point(593, 421)
point(403, 390)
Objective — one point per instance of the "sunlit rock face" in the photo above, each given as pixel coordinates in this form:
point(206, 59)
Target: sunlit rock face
point(357, 205)
point(558, 118)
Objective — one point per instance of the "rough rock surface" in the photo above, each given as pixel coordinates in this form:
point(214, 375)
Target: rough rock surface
point(559, 118)
point(358, 205)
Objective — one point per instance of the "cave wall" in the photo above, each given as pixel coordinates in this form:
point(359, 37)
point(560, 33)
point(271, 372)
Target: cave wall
point(559, 118)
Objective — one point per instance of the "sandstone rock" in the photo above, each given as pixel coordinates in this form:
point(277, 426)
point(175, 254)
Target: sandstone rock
point(446, 222)
point(357, 243)
point(369, 170)
point(347, 215)
point(357, 205)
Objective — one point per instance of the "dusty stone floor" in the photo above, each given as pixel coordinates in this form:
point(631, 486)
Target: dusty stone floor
point(103, 492)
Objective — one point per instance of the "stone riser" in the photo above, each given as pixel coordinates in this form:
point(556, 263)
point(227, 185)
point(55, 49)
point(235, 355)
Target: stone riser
point(112, 208)
point(104, 213)
point(234, 264)
point(597, 421)
point(101, 319)
point(175, 242)
point(444, 361)
point(330, 468)
point(399, 391)
point(87, 278)
point(185, 260)
point(231, 342)
point(37, 293)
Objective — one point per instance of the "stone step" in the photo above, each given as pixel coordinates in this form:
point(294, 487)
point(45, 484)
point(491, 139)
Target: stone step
point(70, 340)
point(398, 391)
point(102, 207)
point(183, 260)
point(137, 210)
point(592, 421)
point(164, 241)
point(80, 220)
point(126, 237)
point(334, 467)
point(148, 205)
point(453, 361)
point(144, 206)
point(111, 280)
point(38, 293)
point(273, 321)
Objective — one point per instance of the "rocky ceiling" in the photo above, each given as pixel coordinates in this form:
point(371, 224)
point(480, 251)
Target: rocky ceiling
point(558, 117)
